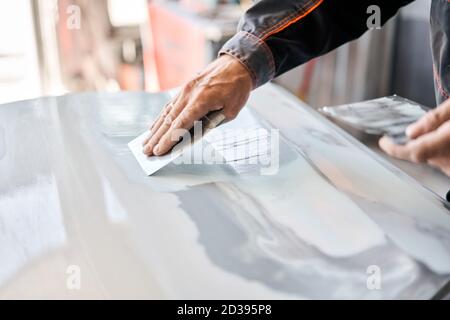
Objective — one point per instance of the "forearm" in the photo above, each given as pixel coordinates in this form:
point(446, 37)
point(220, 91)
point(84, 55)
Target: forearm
point(277, 35)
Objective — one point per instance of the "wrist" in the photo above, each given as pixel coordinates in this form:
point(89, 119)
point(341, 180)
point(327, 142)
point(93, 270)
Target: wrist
point(239, 69)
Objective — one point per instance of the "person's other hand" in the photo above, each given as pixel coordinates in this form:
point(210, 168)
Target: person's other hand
point(224, 85)
point(430, 140)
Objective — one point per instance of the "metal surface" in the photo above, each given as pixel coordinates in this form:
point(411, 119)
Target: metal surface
point(75, 203)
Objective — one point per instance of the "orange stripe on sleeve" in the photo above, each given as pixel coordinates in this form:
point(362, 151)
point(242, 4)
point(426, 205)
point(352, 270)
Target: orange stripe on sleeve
point(296, 19)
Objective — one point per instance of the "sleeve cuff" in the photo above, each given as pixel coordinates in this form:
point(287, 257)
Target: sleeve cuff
point(254, 54)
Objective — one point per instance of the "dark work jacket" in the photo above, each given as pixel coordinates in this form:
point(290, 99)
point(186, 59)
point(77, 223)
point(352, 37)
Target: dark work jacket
point(275, 36)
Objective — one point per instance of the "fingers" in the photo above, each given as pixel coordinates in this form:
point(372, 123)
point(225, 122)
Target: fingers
point(155, 126)
point(183, 123)
point(428, 146)
point(168, 131)
point(392, 149)
point(153, 139)
point(431, 121)
point(161, 127)
point(416, 153)
point(165, 111)
point(431, 145)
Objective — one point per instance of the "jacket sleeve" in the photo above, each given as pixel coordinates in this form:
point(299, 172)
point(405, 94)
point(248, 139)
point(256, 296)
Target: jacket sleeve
point(275, 36)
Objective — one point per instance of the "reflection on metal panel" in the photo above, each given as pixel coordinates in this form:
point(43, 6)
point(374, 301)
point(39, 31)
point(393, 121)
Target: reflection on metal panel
point(315, 229)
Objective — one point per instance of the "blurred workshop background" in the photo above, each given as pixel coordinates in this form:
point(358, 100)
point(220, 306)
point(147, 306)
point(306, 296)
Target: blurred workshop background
point(52, 47)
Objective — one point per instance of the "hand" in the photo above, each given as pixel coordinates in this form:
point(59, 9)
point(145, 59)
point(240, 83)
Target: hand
point(430, 140)
point(224, 85)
